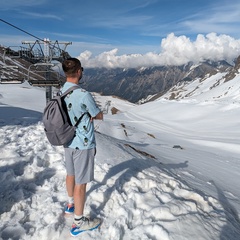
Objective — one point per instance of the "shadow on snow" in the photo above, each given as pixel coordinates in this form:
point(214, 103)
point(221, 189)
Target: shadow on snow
point(231, 230)
point(130, 168)
point(18, 116)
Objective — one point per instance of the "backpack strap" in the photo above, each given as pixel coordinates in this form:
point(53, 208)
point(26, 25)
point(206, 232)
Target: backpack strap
point(69, 90)
point(79, 120)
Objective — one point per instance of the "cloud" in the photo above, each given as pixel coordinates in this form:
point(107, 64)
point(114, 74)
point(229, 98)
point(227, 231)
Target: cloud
point(6, 4)
point(174, 51)
point(11, 41)
point(120, 21)
point(41, 15)
point(220, 18)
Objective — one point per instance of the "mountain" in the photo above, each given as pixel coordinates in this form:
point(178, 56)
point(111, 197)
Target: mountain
point(134, 85)
point(210, 87)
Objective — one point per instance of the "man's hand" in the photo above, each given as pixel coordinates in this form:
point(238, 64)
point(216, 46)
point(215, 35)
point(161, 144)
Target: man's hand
point(99, 116)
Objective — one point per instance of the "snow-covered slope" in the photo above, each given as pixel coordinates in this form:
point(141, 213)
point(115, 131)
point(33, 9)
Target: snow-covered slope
point(164, 170)
point(210, 88)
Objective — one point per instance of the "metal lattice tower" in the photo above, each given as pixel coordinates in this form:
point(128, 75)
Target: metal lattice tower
point(44, 53)
point(46, 50)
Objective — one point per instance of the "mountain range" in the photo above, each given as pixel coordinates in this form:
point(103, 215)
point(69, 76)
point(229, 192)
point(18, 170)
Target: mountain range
point(135, 85)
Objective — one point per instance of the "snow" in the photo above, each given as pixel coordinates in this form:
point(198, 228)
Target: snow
point(165, 170)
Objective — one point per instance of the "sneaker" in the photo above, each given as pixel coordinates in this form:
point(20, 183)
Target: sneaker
point(69, 208)
point(84, 224)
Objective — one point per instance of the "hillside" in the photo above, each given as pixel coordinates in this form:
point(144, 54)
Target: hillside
point(164, 169)
point(136, 84)
point(211, 87)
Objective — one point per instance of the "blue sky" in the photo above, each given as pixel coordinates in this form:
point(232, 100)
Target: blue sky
point(130, 26)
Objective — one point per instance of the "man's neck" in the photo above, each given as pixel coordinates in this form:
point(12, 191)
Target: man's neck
point(72, 80)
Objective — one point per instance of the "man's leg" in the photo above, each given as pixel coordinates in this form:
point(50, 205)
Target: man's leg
point(82, 223)
point(79, 198)
point(70, 184)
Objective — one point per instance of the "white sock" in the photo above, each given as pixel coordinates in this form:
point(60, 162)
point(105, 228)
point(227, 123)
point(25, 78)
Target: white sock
point(70, 200)
point(77, 217)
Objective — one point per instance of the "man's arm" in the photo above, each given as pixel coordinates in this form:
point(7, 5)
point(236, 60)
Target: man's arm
point(92, 107)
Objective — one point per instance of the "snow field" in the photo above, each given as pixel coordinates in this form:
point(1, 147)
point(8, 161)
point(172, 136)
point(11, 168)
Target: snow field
point(143, 189)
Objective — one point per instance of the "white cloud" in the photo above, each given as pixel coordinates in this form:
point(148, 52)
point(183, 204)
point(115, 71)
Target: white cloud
point(42, 15)
point(6, 4)
point(220, 18)
point(174, 51)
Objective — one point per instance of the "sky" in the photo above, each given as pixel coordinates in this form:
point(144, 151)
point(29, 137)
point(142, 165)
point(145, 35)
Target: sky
point(119, 33)
point(164, 170)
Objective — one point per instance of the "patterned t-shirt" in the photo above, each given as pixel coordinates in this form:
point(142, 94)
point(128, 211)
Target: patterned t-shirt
point(79, 102)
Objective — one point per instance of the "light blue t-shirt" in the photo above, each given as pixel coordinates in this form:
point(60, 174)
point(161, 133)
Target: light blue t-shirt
point(79, 102)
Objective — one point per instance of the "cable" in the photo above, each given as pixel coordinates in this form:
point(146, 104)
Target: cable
point(21, 30)
point(52, 45)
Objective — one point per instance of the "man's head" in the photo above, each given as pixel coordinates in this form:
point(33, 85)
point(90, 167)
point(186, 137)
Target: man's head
point(72, 68)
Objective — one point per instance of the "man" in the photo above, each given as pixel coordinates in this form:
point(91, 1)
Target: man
point(80, 152)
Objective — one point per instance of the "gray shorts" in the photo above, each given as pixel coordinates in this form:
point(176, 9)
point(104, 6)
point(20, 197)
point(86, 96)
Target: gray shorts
point(80, 163)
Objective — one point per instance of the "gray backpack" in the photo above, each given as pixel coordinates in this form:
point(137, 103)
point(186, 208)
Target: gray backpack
point(57, 125)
